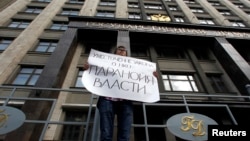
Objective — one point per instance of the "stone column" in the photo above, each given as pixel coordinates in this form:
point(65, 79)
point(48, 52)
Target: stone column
point(246, 2)
point(188, 13)
point(11, 10)
point(233, 63)
point(121, 9)
point(124, 40)
point(89, 8)
point(245, 17)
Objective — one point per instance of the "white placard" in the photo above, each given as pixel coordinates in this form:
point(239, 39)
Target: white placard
point(122, 77)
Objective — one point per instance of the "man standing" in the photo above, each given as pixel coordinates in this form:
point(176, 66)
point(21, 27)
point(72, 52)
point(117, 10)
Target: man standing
point(109, 107)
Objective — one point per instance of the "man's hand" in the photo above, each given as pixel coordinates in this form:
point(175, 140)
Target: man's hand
point(86, 66)
point(155, 74)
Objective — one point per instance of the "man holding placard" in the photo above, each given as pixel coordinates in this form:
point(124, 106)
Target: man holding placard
point(118, 81)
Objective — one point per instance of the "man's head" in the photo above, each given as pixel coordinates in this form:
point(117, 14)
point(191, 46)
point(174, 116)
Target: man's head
point(121, 50)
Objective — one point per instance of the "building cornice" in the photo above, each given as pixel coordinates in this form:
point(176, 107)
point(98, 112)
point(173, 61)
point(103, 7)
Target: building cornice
point(159, 27)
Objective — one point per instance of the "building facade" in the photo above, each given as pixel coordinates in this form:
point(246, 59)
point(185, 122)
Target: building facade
point(201, 49)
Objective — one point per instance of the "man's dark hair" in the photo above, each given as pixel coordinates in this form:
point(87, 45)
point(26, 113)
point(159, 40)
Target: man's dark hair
point(121, 47)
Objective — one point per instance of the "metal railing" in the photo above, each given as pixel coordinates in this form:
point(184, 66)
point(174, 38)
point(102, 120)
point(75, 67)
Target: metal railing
point(7, 98)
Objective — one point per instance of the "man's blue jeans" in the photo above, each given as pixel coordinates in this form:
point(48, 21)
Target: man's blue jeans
point(124, 111)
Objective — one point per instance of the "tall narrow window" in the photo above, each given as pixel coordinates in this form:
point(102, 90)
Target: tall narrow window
point(152, 6)
point(133, 5)
point(4, 43)
point(206, 21)
point(197, 10)
point(19, 24)
point(35, 10)
point(27, 76)
point(179, 19)
point(77, 1)
point(75, 132)
point(189, 1)
point(70, 12)
point(201, 53)
point(107, 3)
point(59, 26)
point(238, 24)
point(79, 79)
point(139, 51)
point(133, 15)
point(171, 52)
point(178, 82)
point(44, 0)
point(46, 46)
point(101, 13)
point(217, 83)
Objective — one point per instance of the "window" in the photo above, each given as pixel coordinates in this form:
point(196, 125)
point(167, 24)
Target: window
point(109, 14)
point(149, 16)
point(34, 10)
point(153, 6)
point(170, 52)
point(27, 76)
point(179, 19)
point(76, 1)
point(197, 10)
point(237, 24)
point(19, 24)
point(206, 21)
point(133, 15)
point(177, 82)
point(44, 0)
point(4, 43)
point(217, 83)
point(71, 12)
point(133, 5)
point(79, 79)
point(189, 1)
point(139, 51)
point(107, 3)
point(74, 132)
point(46, 46)
point(201, 53)
point(173, 8)
point(105, 47)
point(214, 3)
point(239, 5)
point(59, 26)
point(225, 13)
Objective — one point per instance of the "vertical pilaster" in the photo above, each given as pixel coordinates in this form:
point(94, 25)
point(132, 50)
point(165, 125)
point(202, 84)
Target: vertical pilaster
point(205, 82)
point(121, 9)
point(188, 13)
point(52, 133)
point(52, 76)
point(143, 13)
point(153, 57)
point(233, 63)
point(245, 17)
point(11, 10)
point(89, 8)
point(123, 39)
point(246, 2)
